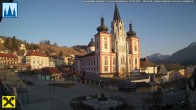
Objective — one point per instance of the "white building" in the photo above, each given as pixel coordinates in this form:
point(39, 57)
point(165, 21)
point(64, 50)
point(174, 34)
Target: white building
point(111, 54)
point(147, 66)
point(37, 59)
point(1, 41)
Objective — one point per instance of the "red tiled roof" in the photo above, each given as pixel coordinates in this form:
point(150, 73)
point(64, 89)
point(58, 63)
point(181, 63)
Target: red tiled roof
point(36, 53)
point(50, 70)
point(8, 55)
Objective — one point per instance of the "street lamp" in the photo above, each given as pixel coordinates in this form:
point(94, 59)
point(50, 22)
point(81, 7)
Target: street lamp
point(100, 82)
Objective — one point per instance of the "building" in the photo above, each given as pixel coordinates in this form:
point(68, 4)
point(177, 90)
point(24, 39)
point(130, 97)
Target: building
point(111, 54)
point(8, 59)
point(1, 41)
point(191, 91)
point(189, 70)
point(147, 66)
point(69, 60)
point(49, 73)
point(37, 59)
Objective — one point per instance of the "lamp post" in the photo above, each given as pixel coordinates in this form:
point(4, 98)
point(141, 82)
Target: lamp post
point(54, 84)
point(27, 94)
point(50, 83)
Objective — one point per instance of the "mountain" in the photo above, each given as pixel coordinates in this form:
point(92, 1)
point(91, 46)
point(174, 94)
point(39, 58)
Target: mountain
point(184, 56)
point(157, 57)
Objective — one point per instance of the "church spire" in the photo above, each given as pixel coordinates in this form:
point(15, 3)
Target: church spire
point(130, 32)
point(102, 27)
point(116, 14)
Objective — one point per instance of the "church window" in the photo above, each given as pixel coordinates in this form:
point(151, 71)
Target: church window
point(105, 68)
point(136, 63)
point(114, 61)
point(129, 61)
point(105, 45)
point(114, 68)
point(97, 46)
point(106, 60)
point(122, 60)
point(135, 46)
point(97, 60)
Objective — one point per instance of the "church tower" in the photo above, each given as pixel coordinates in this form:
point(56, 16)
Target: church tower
point(103, 49)
point(119, 43)
point(133, 49)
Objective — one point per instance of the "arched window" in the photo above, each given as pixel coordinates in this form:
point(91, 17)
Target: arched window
point(106, 60)
point(135, 46)
point(122, 60)
point(136, 63)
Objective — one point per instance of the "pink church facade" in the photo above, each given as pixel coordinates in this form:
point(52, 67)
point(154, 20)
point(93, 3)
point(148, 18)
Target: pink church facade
point(111, 54)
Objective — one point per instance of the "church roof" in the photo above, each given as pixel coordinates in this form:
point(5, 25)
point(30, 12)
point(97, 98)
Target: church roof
point(130, 32)
point(102, 28)
point(116, 14)
point(91, 43)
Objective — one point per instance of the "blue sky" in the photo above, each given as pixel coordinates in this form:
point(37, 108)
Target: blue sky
point(162, 27)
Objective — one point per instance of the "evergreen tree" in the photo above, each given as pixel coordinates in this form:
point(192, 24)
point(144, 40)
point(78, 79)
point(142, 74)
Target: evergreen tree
point(6, 43)
point(60, 53)
point(10, 44)
point(14, 46)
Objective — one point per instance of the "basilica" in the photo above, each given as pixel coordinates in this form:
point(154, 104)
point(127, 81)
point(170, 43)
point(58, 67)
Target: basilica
point(111, 54)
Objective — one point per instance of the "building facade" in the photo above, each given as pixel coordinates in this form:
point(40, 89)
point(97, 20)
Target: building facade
point(8, 59)
point(191, 91)
point(37, 59)
point(114, 54)
point(147, 66)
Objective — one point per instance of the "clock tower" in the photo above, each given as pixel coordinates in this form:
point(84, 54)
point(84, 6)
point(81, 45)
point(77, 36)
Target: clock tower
point(119, 43)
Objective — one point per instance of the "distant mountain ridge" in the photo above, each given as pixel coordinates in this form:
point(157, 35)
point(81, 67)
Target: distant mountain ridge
point(185, 56)
point(157, 57)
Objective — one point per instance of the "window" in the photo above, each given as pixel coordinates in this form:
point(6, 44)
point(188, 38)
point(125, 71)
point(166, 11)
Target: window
point(106, 60)
point(122, 60)
point(114, 68)
point(135, 46)
point(97, 46)
point(97, 68)
point(129, 61)
point(105, 45)
point(114, 61)
point(136, 63)
point(105, 68)
point(97, 60)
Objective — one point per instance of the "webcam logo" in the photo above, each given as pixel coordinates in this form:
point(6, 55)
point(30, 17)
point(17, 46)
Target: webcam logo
point(8, 102)
point(9, 10)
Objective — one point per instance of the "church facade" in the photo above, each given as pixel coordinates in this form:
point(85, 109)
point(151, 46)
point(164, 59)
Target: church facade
point(111, 54)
